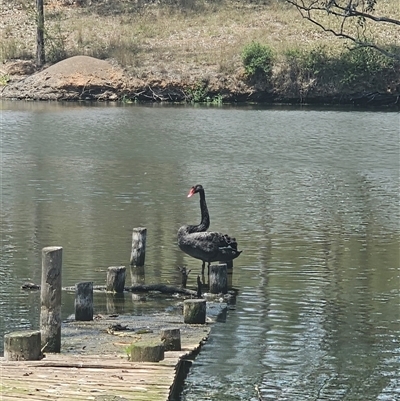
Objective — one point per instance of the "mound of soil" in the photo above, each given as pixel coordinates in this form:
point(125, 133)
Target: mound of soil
point(76, 78)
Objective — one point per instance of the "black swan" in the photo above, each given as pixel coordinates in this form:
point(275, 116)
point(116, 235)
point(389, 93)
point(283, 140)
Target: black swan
point(205, 245)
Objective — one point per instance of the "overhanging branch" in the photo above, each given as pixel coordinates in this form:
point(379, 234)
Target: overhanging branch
point(348, 13)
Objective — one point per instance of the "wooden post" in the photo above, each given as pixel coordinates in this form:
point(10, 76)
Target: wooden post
point(116, 279)
point(171, 339)
point(50, 298)
point(147, 351)
point(138, 246)
point(218, 279)
point(22, 346)
point(84, 301)
point(194, 311)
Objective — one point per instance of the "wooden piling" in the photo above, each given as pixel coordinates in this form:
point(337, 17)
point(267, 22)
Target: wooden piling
point(147, 351)
point(218, 279)
point(171, 339)
point(194, 311)
point(23, 346)
point(116, 279)
point(84, 301)
point(138, 246)
point(50, 299)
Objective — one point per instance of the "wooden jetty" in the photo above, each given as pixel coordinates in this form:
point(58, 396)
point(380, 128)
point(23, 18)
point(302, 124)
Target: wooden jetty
point(93, 364)
point(87, 357)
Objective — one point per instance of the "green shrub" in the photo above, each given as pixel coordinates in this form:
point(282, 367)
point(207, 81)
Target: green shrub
point(198, 93)
point(315, 63)
point(257, 59)
point(364, 64)
point(350, 69)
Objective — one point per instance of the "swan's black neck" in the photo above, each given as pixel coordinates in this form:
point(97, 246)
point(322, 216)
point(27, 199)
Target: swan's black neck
point(205, 217)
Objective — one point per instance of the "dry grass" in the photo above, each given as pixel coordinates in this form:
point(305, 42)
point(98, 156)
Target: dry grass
point(198, 39)
point(154, 37)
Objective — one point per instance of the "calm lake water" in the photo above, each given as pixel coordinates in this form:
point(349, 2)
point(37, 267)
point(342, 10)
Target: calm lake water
point(312, 197)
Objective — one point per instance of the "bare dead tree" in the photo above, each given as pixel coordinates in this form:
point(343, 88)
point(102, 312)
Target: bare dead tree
point(40, 53)
point(350, 19)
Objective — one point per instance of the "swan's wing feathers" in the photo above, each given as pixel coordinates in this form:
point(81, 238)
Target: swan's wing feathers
point(225, 241)
point(204, 241)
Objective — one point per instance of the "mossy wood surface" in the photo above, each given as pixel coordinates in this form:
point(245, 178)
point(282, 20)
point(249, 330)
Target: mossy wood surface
point(22, 345)
point(147, 351)
point(194, 311)
point(97, 371)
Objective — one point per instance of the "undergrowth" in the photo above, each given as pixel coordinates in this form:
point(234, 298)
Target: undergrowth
point(348, 70)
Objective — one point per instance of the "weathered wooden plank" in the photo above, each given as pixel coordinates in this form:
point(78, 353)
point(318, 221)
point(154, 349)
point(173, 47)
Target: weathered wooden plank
point(103, 372)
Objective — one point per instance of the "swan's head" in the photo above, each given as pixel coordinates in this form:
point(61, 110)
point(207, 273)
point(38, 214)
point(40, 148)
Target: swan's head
point(195, 189)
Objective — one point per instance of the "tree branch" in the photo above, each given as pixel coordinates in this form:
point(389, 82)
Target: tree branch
point(345, 13)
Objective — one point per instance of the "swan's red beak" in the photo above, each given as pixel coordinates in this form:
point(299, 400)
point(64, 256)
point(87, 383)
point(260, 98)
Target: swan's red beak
point(191, 192)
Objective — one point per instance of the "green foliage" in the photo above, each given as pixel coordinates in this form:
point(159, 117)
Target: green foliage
point(257, 59)
point(310, 64)
point(362, 66)
point(216, 100)
point(198, 94)
point(4, 79)
point(364, 63)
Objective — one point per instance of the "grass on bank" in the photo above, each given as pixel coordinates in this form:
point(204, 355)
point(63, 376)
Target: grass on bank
point(187, 39)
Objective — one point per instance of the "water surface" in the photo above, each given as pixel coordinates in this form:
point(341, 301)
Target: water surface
point(312, 197)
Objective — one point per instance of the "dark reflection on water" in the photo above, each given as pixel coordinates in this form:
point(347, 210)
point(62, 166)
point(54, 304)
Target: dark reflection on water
point(312, 197)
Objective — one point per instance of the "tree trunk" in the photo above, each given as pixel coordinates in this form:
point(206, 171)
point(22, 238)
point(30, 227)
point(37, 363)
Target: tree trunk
point(40, 54)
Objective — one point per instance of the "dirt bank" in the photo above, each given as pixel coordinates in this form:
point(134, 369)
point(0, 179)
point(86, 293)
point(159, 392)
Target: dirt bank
point(89, 79)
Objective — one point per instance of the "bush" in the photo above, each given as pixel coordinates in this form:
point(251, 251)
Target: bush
point(351, 69)
point(257, 59)
point(314, 63)
point(364, 64)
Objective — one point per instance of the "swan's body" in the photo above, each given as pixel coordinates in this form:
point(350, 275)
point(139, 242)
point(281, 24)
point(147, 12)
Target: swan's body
point(205, 245)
